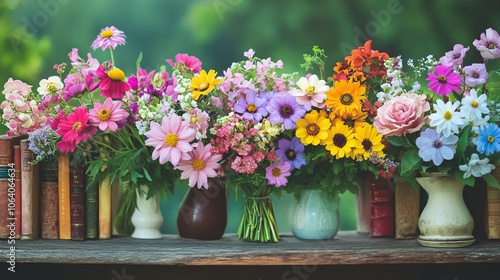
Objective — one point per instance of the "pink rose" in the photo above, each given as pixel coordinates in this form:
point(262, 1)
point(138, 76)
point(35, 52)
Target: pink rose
point(402, 114)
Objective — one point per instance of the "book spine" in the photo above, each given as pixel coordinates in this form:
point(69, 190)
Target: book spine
point(64, 197)
point(407, 209)
point(492, 217)
point(105, 209)
point(77, 202)
point(382, 208)
point(29, 194)
point(49, 200)
point(6, 160)
point(91, 212)
point(17, 191)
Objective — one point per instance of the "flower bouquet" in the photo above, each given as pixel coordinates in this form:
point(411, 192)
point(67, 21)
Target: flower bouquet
point(141, 130)
point(451, 127)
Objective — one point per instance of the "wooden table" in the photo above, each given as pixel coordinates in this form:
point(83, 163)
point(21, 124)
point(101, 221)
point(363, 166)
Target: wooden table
point(349, 254)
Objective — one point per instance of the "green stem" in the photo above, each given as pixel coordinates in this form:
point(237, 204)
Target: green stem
point(112, 57)
point(258, 222)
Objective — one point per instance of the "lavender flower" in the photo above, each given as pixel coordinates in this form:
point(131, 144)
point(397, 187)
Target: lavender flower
point(43, 143)
point(475, 74)
point(284, 109)
point(251, 107)
point(436, 147)
point(455, 57)
point(291, 151)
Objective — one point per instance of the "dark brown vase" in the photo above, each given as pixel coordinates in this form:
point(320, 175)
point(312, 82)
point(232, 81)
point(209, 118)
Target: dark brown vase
point(203, 212)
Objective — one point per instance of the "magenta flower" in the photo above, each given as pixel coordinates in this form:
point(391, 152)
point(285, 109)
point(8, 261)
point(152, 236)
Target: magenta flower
point(111, 82)
point(200, 166)
point(191, 62)
point(109, 38)
point(436, 147)
point(444, 80)
point(106, 115)
point(284, 109)
point(475, 74)
point(171, 139)
point(277, 172)
point(251, 107)
point(488, 44)
point(73, 129)
point(455, 57)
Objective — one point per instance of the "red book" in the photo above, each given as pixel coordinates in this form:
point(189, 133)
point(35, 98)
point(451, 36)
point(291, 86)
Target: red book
point(382, 207)
point(77, 201)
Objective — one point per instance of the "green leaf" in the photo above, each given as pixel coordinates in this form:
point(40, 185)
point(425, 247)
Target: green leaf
point(493, 86)
point(463, 141)
point(396, 141)
point(146, 174)
point(470, 181)
point(138, 61)
point(491, 180)
point(410, 161)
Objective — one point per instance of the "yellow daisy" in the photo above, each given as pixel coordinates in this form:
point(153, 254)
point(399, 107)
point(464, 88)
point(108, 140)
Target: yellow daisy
point(313, 128)
point(342, 141)
point(204, 83)
point(354, 120)
point(369, 141)
point(344, 98)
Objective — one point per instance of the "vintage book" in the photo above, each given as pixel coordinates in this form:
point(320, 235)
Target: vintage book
point(7, 171)
point(17, 191)
point(91, 211)
point(493, 208)
point(116, 195)
point(49, 199)
point(407, 209)
point(382, 207)
point(104, 209)
point(64, 197)
point(77, 201)
point(30, 194)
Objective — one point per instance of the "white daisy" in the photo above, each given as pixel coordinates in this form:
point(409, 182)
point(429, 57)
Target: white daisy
point(312, 92)
point(50, 85)
point(447, 119)
point(477, 167)
point(473, 106)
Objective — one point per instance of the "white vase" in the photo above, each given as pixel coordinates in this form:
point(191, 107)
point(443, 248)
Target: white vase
point(445, 220)
point(147, 218)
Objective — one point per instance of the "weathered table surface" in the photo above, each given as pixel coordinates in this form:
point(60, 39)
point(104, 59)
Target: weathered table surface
point(346, 248)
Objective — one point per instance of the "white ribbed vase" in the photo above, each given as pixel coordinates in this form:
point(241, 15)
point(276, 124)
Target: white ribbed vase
point(147, 218)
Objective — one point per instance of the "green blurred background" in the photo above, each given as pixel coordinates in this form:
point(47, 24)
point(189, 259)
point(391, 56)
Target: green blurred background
point(37, 34)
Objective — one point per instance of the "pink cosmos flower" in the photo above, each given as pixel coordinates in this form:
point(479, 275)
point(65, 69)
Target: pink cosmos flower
point(444, 80)
point(475, 74)
point(277, 172)
point(401, 115)
point(109, 38)
point(191, 62)
point(171, 139)
point(200, 166)
point(73, 129)
point(455, 57)
point(111, 82)
point(488, 44)
point(106, 115)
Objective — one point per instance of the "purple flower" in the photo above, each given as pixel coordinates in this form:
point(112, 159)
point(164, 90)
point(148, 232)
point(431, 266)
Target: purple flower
point(277, 172)
point(475, 74)
point(251, 107)
point(291, 151)
point(109, 38)
point(436, 147)
point(444, 80)
point(455, 57)
point(488, 44)
point(284, 109)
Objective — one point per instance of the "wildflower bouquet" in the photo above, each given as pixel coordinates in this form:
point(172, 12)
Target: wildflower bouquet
point(335, 140)
point(451, 127)
point(143, 129)
point(260, 110)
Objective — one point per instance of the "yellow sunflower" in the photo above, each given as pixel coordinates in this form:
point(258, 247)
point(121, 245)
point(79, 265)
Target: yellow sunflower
point(351, 120)
point(369, 141)
point(204, 83)
point(344, 98)
point(342, 141)
point(312, 128)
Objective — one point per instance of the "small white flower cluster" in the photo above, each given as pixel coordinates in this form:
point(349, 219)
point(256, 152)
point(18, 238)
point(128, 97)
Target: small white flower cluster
point(424, 65)
point(183, 87)
point(152, 112)
point(395, 86)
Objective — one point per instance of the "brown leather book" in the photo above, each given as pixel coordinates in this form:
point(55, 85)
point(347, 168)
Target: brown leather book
point(30, 194)
point(49, 200)
point(77, 201)
point(17, 191)
point(7, 171)
point(382, 207)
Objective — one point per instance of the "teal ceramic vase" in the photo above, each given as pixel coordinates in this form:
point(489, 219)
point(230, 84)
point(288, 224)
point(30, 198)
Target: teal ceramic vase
point(315, 217)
